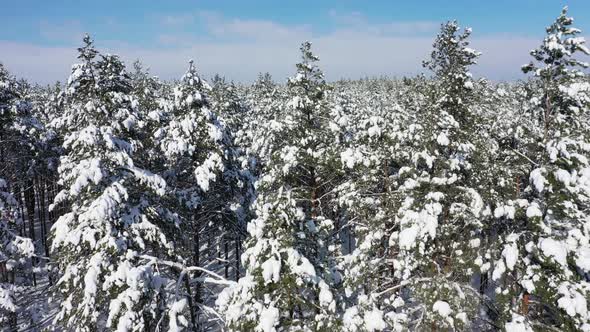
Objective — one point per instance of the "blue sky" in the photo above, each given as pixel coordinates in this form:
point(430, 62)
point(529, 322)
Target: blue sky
point(239, 39)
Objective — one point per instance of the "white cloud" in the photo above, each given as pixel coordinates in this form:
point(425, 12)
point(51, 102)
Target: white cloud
point(258, 30)
point(503, 56)
point(358, 22)
point(351, 18)
point(37, 63)
point(240, 49)
point(65, 31)
point(177, 20)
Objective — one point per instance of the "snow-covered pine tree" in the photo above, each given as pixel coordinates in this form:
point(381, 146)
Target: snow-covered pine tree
point(8, 114)
point(544, 264)
point(440, 210)
point(15, 251)
point(373, 133)
point(499, 126)
point(113, 216)
point(37, 159)
point(228, 102)
point(150, 94)
point(263, 88)
point(225, 97)
point(291, 281)
point(201, 168)
point(261, 134)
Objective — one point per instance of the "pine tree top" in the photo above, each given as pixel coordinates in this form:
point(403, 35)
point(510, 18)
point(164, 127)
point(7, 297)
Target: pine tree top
point(555, 54)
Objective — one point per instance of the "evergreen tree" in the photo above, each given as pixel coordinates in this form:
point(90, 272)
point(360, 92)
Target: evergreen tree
point(373, 130)
point(440, 209)
point(291, 280)
point(15, 251)
point(201, 167)
point(548, 254)
point(113, 215)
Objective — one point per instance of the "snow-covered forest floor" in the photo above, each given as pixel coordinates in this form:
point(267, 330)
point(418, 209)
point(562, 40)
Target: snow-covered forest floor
point(428, 203)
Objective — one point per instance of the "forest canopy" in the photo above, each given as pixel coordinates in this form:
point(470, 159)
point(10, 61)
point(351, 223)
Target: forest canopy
point(437, 202)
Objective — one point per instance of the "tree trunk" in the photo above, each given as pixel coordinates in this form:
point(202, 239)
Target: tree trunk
point(30, 202)
point(42, 212)
point(314, 194)
point(226, 249)
point(525, 304)
point(237, 258)
point(197, 262)
point(30, 206)
point(191, 305)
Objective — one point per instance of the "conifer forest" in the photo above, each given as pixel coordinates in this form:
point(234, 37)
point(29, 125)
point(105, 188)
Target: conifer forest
point(439, 202)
